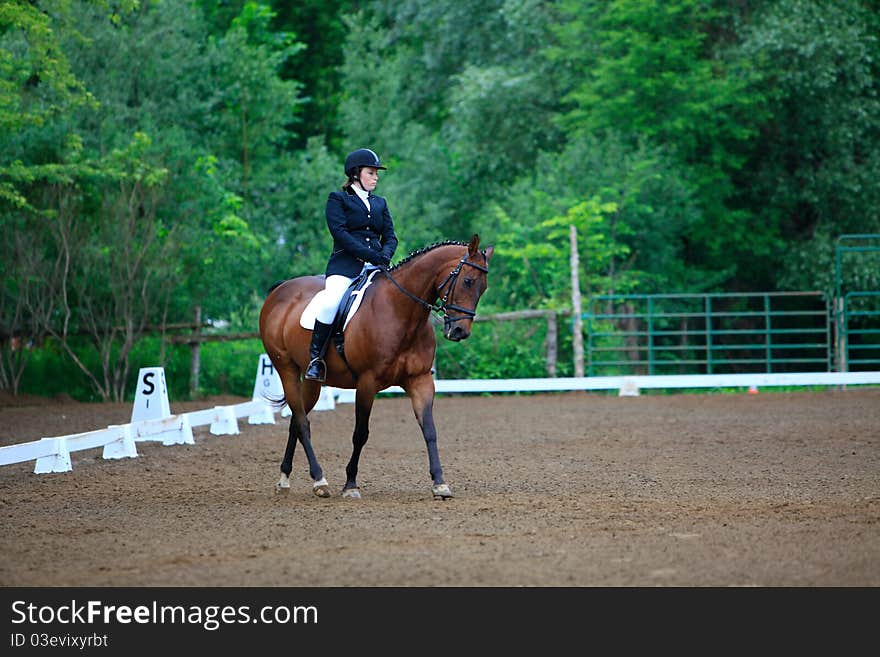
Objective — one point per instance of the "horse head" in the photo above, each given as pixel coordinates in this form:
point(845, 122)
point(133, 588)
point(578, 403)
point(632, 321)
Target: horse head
point(461, 290)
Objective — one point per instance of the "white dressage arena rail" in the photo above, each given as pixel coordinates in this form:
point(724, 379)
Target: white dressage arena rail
point(152, 419)
point(119, 441)
point(630, 385)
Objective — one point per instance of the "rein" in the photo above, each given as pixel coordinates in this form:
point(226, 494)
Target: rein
point(441, 306)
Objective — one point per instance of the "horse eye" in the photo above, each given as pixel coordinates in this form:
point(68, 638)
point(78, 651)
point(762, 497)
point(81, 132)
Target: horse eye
point(468, 282)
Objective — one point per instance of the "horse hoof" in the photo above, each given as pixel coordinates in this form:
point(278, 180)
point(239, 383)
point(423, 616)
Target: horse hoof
point(353, 493)
point(281, 490)
point(441, 492)
point(321, 488)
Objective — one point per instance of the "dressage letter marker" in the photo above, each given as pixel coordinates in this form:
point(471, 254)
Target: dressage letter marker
point(151, 396)
point(268, 383)
point(267, 386)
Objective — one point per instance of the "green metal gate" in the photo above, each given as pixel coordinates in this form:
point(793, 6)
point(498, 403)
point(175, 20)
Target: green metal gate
point(856, 312)
point(861, 331)
point(707, 333)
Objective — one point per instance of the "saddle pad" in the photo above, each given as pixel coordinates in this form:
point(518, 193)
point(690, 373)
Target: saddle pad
point(307, 319)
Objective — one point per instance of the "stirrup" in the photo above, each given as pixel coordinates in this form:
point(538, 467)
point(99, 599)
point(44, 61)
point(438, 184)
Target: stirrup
point(316, 371)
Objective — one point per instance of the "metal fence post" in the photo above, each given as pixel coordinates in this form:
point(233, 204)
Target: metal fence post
point(768, 339)
point(650, 335)
point(708, 335)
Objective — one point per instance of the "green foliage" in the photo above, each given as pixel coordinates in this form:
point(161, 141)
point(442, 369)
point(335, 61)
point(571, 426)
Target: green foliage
point(495, 350)
point(154, 194)
point(652, 71)
point(318, 25)
point(37, 86)
point(228, 368)
point(641, 242)
point(816, 169)
point(159, 156)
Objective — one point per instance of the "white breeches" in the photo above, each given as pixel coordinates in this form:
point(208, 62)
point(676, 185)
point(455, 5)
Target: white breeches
point(327, 300)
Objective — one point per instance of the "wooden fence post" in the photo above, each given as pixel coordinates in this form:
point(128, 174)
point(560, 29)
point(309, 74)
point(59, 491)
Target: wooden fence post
point(552, 343)
point(578, 337)
point(195, 355)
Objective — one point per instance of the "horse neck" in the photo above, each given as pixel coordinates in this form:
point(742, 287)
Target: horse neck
point(422, 275)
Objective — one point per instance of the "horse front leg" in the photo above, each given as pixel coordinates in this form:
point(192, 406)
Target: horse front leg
point(363, 404)
point(320, 487)
point(421, 394)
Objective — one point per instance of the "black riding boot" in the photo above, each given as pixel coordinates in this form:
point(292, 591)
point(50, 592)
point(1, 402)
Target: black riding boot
point(317, 370)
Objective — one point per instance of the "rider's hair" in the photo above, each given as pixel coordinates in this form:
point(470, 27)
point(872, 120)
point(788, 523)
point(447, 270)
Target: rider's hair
point(346, 186)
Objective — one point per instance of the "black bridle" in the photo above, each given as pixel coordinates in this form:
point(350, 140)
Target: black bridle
point(441, 306)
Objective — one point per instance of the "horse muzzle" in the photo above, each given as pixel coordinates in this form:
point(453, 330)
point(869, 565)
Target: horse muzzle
point(452, 331)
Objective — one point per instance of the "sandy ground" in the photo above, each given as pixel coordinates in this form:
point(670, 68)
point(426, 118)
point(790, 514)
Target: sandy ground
point(575, 489)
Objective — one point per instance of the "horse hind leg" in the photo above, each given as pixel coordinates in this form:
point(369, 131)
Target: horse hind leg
point(320, 487)
point(283, 485)
point(299, 431)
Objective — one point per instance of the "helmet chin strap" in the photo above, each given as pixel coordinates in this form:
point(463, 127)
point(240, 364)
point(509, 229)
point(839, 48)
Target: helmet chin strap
point(359, 181)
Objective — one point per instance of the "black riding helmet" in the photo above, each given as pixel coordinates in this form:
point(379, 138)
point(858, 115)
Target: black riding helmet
point(362, 157)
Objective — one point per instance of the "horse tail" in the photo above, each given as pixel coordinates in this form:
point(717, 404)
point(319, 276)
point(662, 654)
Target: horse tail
point(275, 402)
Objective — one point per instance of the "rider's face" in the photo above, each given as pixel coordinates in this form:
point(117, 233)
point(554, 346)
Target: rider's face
point(369, 177)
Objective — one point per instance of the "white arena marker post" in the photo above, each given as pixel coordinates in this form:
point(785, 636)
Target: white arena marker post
point(326, 401)
point(266, 386)
point(122, 448)
point(172, 430)
point(59, 461)
point(225, 422)
point(151, 396)
point(628, 388)
point(345, 396)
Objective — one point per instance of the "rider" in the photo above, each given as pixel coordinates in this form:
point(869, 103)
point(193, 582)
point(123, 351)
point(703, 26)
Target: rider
point(363, 232)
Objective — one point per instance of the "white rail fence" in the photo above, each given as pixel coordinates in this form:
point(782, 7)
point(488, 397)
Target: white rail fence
point(152, 419)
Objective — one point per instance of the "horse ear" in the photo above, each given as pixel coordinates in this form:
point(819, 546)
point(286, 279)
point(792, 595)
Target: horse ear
point(473, 245)
point(489, 251)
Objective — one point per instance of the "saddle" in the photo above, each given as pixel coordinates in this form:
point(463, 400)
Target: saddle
point(348, 305)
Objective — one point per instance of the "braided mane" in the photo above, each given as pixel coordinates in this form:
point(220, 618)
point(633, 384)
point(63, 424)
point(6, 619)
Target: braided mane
point(425, 249)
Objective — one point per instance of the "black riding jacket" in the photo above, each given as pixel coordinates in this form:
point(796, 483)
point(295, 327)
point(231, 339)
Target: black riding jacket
point(359, 235)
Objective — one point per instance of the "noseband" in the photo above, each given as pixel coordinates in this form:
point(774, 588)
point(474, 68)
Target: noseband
point(442, 305)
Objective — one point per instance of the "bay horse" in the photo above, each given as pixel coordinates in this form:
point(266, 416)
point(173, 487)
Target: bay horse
point(389, 342)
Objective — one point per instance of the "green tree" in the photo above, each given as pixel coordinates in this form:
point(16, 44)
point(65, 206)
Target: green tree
point(815, 168)
point(38, 88)
point(462, 103)
point(219, 118)
point(150, 193)
point(655, 210)
point(655, 70)
point(118, 263)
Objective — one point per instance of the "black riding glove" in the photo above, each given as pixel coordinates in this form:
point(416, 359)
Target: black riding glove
point(371, 257)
